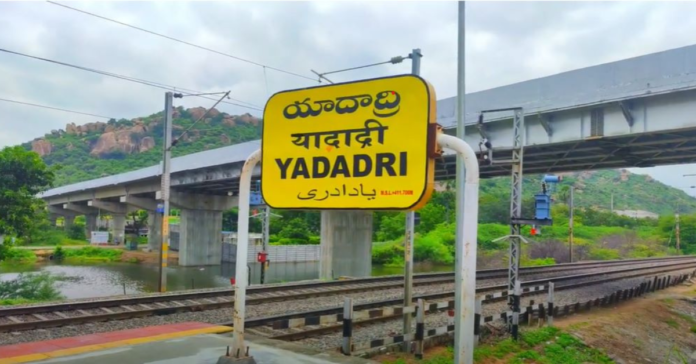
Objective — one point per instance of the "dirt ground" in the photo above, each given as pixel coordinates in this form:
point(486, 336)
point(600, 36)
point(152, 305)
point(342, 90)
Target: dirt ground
point(148, 257)
point(656, 328)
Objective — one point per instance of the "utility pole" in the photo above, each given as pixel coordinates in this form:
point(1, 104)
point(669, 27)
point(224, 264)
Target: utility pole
point(676, 218)
point(612, 202)
point(266, 227)
point(410, 231)
point(264, 240)
point(570, 223)
point(166, 169)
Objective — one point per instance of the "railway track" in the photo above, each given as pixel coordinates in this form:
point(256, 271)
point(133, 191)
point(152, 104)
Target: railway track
point(71, 313)
point(264, 326)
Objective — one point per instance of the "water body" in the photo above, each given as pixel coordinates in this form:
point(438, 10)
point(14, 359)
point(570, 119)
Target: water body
point(101, 280)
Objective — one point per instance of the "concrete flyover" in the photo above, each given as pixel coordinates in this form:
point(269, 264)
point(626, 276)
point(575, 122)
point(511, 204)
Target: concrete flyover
point(638, 112)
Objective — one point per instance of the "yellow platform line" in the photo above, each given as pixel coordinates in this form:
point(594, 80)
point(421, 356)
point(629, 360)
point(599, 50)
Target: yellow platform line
point(114, 344)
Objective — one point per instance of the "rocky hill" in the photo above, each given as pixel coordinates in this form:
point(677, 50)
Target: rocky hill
point(103, 148)
point(99, 149)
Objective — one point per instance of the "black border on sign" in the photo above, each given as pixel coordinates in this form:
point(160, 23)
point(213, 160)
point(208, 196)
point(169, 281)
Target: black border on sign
point(425, 184)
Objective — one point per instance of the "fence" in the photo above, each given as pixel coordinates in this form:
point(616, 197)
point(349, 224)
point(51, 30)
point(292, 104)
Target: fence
point(543, 312)
point(276, 253)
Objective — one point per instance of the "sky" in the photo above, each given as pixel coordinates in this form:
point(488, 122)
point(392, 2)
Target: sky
point(507, 42)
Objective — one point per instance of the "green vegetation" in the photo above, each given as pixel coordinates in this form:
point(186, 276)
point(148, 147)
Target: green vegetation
point(71, 149)
point(90, 254)
point(599, 234)
point(672, 323)
point(545, 346)
point(12, 254)
point(27, 288)
point(22, 175)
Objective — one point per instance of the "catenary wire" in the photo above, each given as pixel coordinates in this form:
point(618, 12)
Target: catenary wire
point(126, 78)
point(182, 41)
point(55, 108)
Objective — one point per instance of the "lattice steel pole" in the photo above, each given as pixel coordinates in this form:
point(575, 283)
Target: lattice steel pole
point(515, 201)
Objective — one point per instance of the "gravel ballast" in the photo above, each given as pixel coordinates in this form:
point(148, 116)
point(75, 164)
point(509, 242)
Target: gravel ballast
point(302, 305)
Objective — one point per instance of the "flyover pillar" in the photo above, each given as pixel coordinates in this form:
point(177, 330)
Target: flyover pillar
point(200, 226)
point(53, 219)
point(90, 225)
point(346, 244)
point(154, 230)
point(154, 218)
point(119, 229)
point(200, 237)
point(68, 221)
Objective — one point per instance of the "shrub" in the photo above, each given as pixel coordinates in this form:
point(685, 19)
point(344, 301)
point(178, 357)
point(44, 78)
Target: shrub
point(431, 247)
point(604, 254)
point(388, 253)
point(58, 253)
point(32, 286)
point(92, 254)
point(76, 231)
point(10, 254)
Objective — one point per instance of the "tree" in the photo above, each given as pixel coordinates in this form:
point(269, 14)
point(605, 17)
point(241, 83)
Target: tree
point(563, 194)
point(22, 176)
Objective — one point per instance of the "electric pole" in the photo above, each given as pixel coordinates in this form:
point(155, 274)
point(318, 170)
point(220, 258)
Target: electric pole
point(166, 169)
point(676, 217)
point(570, 224)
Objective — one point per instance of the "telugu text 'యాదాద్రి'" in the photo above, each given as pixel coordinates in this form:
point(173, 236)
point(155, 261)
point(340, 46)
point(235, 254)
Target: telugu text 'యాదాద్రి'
point(386, 104)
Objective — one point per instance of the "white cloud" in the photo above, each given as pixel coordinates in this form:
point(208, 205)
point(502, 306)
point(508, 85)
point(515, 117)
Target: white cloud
point(506, 43)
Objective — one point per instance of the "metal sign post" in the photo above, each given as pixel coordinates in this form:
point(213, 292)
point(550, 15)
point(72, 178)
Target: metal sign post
point(410, 232)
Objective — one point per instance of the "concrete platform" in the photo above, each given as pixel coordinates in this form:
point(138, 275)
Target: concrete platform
point(187, 343)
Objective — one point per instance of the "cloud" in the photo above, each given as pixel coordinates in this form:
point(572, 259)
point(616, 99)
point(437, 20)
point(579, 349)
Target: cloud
point(507, 42)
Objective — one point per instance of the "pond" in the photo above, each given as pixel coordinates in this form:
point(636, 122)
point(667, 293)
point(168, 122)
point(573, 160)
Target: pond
point(101, 280)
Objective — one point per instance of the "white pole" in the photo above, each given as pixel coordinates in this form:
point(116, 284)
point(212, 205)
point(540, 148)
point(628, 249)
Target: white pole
point(465, 289)
point(241, 273)
point(464, 310)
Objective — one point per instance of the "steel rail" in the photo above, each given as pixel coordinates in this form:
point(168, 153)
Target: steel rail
point(397, 279)
point(227, 301)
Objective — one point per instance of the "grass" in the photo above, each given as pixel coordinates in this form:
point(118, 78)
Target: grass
point(62, 241)
point(73, 242)
point(15, 301)
point(672, 323)
point(90, 254)
point(693, 329)
point(547, 345)
point(686, 317)
point(443, 358)
point(17, 255)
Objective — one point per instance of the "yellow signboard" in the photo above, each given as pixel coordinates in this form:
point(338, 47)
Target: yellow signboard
point(357, 145)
